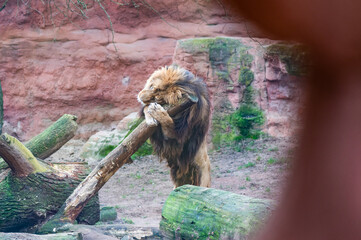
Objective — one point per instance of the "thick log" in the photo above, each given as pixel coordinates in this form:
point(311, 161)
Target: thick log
point(104, 170)
point(28, 201)
point(33, 190)
point(192, 212)
point(28, 236)
point(52, 138)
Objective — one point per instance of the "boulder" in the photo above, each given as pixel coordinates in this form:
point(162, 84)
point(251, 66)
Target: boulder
point(101, 143)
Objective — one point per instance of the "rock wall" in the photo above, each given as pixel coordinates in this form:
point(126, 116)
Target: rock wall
point(228, 65)
point(53, 61)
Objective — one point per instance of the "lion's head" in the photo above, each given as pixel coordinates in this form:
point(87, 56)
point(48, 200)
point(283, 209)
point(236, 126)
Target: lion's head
point(163, 86)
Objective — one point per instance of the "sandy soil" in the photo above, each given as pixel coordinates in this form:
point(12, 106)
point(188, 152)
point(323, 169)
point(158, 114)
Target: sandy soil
point(139, 190)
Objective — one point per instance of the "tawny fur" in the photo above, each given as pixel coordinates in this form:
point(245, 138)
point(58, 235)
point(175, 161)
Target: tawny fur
point(180, 140)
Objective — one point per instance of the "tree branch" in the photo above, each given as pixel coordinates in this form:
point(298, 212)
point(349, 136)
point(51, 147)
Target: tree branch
point(21, 161)
point(104, 170)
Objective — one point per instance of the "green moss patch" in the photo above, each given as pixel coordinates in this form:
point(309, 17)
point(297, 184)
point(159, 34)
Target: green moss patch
point(296, 57)
point(101, 144)
point(192, 212)
point(27, 200)
point(108, 214)
point(226, 56)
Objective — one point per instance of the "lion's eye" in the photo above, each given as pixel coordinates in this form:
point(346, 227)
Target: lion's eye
point(151, 87)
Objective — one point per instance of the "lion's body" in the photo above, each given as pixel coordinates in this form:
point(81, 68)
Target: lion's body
point(180, 140)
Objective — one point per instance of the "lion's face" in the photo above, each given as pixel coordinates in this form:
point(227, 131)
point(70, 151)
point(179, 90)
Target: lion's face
point(161, 87)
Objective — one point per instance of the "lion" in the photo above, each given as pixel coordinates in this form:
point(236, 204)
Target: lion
point(180, 140)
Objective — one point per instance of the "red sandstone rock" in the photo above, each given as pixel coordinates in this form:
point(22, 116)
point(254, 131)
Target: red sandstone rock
point(276, 91)
point(47, 71)
point(73, 68)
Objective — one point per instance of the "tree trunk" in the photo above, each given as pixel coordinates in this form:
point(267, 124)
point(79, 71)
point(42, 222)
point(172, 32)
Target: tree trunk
point(32, 191)
point(192, 212)
point(104, 170)
point(28, 201)
point(52, 138)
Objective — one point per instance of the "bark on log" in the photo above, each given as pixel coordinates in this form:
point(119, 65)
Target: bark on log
point(14, 158)
point(28, 201)
point(192, 212)
point(52, 138)
point(21, 161)
point(28, 236)
point(104, 170)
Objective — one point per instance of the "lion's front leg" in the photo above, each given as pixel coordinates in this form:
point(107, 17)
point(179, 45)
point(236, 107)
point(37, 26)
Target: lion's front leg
point(160, 115)
point(148, 118)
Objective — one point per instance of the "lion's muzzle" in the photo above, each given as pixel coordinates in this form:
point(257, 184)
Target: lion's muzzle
point(145, 96)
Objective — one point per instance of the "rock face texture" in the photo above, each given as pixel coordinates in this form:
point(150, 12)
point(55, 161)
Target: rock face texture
point(230, 65)
point(54, 61)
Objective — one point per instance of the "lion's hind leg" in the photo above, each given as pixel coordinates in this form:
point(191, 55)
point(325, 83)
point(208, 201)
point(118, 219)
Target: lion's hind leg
point(199, 172)
point(204, 166)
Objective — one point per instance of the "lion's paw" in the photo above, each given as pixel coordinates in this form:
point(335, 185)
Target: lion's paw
point(151, 121)
point(157, 112)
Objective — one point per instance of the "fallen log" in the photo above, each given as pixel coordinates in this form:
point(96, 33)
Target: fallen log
point(104, 170)
point(192, 212)
point(54, 137)
point(31, 191)
point(28, 236)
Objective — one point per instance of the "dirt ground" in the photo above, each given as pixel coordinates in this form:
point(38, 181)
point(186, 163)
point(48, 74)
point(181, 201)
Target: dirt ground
point(139, 190)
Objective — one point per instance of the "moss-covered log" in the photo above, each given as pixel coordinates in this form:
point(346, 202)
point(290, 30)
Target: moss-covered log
point(192, 212)
point(20, 159)
point(28, 201)
point(105, 170)
point(52, 138)
point(14, 157)
point(41, 146)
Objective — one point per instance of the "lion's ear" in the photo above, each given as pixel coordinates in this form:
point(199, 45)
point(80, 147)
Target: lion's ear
point(192, 97)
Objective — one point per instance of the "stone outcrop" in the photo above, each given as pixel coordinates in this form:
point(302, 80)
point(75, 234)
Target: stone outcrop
point(102, 142)
point(228, 65)
point(53, 61)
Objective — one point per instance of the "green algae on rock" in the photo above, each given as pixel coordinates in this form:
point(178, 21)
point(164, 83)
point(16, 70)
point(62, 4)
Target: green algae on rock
point(296, 57)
